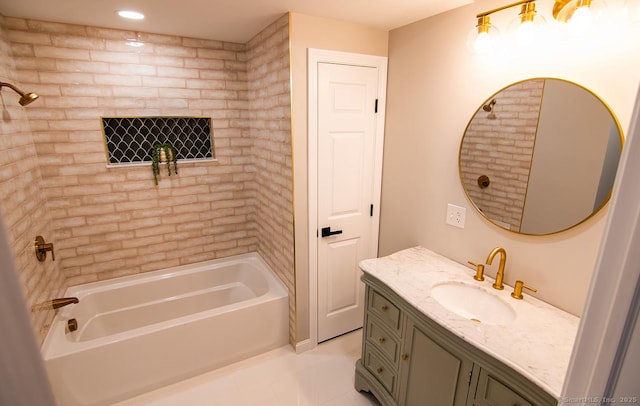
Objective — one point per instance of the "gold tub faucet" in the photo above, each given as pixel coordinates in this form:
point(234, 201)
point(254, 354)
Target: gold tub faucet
point(503, 260)
point(56, 303)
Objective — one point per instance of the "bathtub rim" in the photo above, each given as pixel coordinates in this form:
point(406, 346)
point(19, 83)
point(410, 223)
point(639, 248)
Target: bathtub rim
point(56, 345)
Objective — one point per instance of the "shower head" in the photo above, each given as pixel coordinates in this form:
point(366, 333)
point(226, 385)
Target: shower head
point(25, 98)
point(489, 106)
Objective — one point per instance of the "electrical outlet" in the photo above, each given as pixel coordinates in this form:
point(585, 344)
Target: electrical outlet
point(456, 215)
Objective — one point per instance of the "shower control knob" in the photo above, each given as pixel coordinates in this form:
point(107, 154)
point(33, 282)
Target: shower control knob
point(41, 249)
point(484, 181)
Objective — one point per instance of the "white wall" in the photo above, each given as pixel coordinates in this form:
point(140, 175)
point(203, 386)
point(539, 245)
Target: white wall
point(435, 85)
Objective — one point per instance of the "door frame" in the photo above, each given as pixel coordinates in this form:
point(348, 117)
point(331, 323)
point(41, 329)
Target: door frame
point(314, 57)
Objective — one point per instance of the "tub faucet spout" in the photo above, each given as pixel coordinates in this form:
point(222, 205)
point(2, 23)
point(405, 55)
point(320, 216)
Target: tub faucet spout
point(503, 260)
point(56, 303)
point(63, 301)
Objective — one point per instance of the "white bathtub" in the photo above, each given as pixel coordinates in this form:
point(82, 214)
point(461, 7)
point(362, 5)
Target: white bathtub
point(141, 332)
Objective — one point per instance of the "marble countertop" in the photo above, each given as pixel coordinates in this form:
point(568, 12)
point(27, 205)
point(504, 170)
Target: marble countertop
point(537, 344)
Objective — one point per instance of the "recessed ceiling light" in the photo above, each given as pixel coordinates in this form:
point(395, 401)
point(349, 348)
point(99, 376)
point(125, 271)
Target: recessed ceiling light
point(132, 15)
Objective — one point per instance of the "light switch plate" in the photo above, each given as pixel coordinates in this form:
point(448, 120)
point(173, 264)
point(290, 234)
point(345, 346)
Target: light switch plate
point(456, 215)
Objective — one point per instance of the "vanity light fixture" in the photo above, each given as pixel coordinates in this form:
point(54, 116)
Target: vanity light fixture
point(130, 14)
point(578, 14)
point(485, 37)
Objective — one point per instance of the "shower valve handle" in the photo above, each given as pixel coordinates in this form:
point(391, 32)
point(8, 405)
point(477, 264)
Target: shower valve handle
point(326, 232)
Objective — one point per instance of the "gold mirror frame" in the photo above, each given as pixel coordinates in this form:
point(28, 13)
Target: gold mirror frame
point(485, 156)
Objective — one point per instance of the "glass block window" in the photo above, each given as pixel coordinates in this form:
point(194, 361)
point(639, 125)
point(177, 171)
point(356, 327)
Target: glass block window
point(129, 140)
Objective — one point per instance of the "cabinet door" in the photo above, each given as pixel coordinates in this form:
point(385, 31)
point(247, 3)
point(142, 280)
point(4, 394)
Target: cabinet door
point(493, 392)
point(432, 374)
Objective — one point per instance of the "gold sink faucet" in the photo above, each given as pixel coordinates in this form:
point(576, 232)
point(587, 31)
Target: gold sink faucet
point(503, 260)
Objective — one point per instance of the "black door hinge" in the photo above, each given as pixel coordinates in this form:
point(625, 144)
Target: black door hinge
point(375, 110)
point(371, 211)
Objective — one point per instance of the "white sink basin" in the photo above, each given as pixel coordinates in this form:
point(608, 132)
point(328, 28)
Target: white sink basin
point(473, 302)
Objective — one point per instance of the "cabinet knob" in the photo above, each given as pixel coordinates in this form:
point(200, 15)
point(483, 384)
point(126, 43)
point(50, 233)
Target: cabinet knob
point(384, 308)
point(405, 357)
point(379, 370)
point(381, 340)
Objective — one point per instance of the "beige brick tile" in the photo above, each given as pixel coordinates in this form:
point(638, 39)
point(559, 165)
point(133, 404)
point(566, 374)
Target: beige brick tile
point(158, 230)
point(217, 54)
point(159, 265)
point(161, 82)
point(141, 242)
point(34, 64)
point(44, 51)
point(175, 72)
point(118, 254)
point(26, 37)
point(177, 51)
point(162, 60)
point(80, 42)
point(204, 64)
point(158, 248)
point(22, 50)
point(108, 33)
point(114, 57)
point(15, 23)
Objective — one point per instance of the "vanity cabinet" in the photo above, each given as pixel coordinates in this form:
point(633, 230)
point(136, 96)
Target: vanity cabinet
point(408, 359)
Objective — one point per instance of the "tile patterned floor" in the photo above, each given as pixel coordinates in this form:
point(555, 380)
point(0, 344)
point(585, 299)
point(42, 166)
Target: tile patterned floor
point(320, 377)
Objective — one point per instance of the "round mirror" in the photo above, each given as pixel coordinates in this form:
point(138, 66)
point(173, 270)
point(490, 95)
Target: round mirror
point(540, 156)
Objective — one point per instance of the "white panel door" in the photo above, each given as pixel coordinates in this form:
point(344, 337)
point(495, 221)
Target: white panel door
point(346, 159)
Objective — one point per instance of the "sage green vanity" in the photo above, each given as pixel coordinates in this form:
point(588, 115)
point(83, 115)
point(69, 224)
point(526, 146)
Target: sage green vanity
point(418, 352)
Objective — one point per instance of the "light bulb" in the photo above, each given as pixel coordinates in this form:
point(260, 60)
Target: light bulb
point(525, 32)
point(632, 11)
point(483, 43)
point(528, 27)
point(484, 38)
point(581, 21)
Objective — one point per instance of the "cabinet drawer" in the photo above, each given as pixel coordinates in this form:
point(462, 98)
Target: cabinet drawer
point(382, 339)
point(381, 370)
point(493, 392)
point(386, 311)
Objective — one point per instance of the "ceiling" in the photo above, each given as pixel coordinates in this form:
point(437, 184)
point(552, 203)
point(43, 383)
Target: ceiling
point(225, 20)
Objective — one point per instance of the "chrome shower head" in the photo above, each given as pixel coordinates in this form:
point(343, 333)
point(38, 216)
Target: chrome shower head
point(25, 98)
point(489, 106)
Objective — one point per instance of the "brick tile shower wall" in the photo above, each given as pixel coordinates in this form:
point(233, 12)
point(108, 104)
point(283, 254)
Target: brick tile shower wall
point(500, 145)
point(110, 222)
point(270, 127)
point(21, 202)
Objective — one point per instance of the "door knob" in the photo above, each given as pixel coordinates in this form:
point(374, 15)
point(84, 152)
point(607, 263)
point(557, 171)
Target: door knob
point(326, 232)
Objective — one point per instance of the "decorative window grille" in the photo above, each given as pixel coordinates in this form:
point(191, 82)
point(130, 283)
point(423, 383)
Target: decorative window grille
point(130, 140)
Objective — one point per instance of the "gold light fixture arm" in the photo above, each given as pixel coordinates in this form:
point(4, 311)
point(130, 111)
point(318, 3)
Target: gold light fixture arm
point(563, 9)
point(518, 3)
point(527, 13)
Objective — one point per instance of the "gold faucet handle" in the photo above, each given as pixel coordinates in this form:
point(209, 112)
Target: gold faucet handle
point(517, 290)
point(479, 276)
point(42, 247)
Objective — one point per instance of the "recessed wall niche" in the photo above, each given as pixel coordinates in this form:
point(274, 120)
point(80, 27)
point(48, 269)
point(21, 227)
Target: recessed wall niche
point(130, 140)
